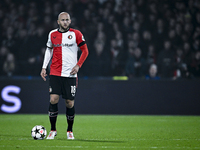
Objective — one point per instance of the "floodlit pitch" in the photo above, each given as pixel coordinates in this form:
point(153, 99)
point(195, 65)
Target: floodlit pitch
point(104, 132)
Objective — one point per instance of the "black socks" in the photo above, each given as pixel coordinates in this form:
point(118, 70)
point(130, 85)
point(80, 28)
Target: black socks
point(70, 114)
point(53, 112)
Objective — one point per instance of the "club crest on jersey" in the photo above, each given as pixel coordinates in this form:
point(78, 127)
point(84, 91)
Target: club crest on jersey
point(70, 37)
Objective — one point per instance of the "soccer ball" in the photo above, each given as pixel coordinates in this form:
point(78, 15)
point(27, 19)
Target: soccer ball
point(38, 132)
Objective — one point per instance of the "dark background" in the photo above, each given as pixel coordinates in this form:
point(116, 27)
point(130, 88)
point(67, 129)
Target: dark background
point(164, 32)
point(113, 97)
point(124, 37)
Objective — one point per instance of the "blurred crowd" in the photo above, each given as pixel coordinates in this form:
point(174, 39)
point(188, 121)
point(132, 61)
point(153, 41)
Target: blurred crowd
point(149, 39)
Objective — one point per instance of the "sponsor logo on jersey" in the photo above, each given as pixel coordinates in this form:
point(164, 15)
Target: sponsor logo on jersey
point(63, 45)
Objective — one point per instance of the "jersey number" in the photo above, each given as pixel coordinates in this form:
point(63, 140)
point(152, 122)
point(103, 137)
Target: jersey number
point(73, 90)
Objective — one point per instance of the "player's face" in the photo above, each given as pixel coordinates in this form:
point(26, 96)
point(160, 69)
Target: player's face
point(64, 21)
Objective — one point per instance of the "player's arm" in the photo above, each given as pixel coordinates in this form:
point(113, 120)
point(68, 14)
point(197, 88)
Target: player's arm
point(47, 57)
point(82, 58)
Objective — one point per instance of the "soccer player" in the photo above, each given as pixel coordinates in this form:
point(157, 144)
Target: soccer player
point(62, 46)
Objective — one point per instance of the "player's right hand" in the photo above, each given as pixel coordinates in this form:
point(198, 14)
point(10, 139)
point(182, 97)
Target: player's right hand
point(43, 74)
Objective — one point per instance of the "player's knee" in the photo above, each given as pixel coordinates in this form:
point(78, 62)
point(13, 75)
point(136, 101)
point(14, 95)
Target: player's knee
point(69, 103)
point(54, 100)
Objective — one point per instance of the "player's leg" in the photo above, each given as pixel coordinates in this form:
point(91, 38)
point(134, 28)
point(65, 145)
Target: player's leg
point(69, 96)
point(55, 90)
point(70, 114)
point(53, 112)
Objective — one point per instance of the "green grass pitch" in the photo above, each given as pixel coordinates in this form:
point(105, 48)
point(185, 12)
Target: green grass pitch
point(103, 132)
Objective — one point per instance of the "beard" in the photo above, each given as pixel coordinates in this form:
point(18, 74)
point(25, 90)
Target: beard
point(64, 28)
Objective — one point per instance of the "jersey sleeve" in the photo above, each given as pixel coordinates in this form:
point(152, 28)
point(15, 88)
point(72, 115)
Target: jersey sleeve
point(79, 38)
point(49, 43)
point(83, 46)
point(84, 55)
point(47, 57)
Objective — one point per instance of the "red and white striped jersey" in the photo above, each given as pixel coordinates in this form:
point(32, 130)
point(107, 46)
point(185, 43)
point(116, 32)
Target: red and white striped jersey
point(65, 47)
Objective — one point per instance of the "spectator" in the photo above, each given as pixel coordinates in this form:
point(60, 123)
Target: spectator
point(99, 58)
point(9, 65)
point(135, 66)
point(172, 37)
point(136, 40)
point(194, 67)
point(196, 44)
point(147, 40)
point(119, 40)
point(9, 40)
point(151, 55)
point(152, 22)
point(166, 61)
point(117, 57)
point(196, 34)
point(159, 34)
point(181, 67)
point(187, 51)
point(126, 25)
point(152, 74)
point(178, 30)
point(136, 27)
point(3, 56)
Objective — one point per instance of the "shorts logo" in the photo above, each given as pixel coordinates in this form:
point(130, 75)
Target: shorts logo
point(70, 37)
point(50, 89)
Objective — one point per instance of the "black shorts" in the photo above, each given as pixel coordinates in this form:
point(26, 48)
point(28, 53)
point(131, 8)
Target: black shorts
point(64, 86)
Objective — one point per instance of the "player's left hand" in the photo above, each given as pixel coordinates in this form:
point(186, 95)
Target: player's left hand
point(75, 70)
